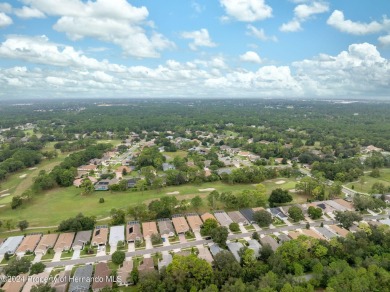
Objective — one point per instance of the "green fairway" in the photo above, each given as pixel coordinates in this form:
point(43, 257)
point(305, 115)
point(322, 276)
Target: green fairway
point(52, 207)
point(366, 185)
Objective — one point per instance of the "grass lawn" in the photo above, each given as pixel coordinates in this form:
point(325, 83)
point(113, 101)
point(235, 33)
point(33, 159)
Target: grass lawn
point(67, 254)
point(172, 155)
point(249, 227)
point(49, 255)
point(369, 181)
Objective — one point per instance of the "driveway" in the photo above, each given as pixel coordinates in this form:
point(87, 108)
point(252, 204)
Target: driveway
point(166, 241)
point(76, 254)
point(57, 256)
point(37, 258)
point(113, 249)
point(131, 247)
point(242, 228)
point(197, 235)
point(148, 243)
point(182, 238)
point(101, 251)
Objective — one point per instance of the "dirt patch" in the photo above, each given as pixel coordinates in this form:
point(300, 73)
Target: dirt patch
point(293, 191)
point(1, 206)
point(5, 195)
point(32, 168)
point(23, 175)
point(207, 190)
point(173, 193)
point(280, 182)
point(3, 191)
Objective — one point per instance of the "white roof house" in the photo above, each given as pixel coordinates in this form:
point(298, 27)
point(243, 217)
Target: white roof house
point(255, 246)
point(234, 248)
point(117, 233)
point(11, 244)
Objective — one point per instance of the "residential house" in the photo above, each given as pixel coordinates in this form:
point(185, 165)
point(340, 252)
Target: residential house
point(167, 166)
point(311, 233)
point(237, 217)
point(277, 212)
point(248, 214)
point(47, 241)
point(146, 266)
point(123, 273)
point(283, 238)
point(180, 224)
point(64, 242)
point(86, 169)
point(255, 246)
point(10, 245)
point(345, 204)
point(149, 228)
point(294, 234)
point(81, 279)
point(166, 228)
point(206, 216)
point(270, 241)
point(102, 278)
point(324, 207)
point(132, 182)
point(78, 182)
point(325, 233)
point(28, 244)
point(234, 248)
point(117, 234)
point(60, 283)
point(165, 261)
point(15, 286)
point(104, 184)
point(194, 221)
point(100, 236)
point(215, 249)
point(133, 232)
point(223, 218)
point(34, 280)
point(221, 171)
point(205, 254)
point(82, 238)
point(335, 205)
point(338, 230)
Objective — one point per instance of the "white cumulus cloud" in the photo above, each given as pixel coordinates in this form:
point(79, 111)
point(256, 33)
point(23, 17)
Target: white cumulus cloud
point(302, 13)
point(5, 20)
point(259, 33)
point(247, 10)
point(250, 56)
point(200, 38)
point(338, 21)
point(28, 12)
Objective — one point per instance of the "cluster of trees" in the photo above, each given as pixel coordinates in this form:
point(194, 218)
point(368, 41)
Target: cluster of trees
point(12, 160)
point(359, 262)
point(341, 170)
point(78, 223)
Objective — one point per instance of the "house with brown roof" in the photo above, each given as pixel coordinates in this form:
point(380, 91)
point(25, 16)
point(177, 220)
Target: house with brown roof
point(34, 280)
point(123, 273)
point(146, 266)
point(64, 241)
point(338, 230)
point(237, 217)
point(81, 239)
point(100, 236)
point(60, 284)
point(47, 241)
point(194, 221)
point(15, 286)
point(85, 169)
point(101, 278)
point(205, 254)
point(345, 204)
point(28, 244)
point(133, 231)
point(149, 228)
point(294, 234)
point(180, 223)
point(206, 216)
point(312, 233)
point(166, 228)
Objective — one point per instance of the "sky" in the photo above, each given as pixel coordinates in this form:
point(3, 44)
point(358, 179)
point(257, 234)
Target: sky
point(195, 48)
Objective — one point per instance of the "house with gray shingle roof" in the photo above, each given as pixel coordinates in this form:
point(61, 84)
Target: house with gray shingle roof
point(82, 279)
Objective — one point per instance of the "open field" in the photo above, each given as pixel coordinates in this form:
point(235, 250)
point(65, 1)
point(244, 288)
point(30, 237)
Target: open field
point(172, 155)
point(56, 205)
point(369, 181)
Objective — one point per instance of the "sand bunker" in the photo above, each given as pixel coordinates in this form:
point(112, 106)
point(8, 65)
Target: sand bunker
point(206, 190)
point(1, 206)
point(280, 182)
point(32, 168)
point(293, 191)
point(173, 193)
point(5, 195)
point(3, 191)
point(22, 176)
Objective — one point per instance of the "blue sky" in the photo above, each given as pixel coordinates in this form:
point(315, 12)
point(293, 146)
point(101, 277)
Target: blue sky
point(196, 48)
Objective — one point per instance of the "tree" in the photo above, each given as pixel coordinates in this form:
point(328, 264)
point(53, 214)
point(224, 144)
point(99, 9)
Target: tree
point(212, 198)
point(37, 268)
point(189, 272)
point(226, 266)
point(196, 202)
point(78, 223)
point(314, 213)
point(141, 185)
point(234, 227)
point(279, 196)
point(87, 186)
point(117, 216)
point(42, 288)
point(266, 252)
point(296, 213)
point(17, 266)
point(134, 276)
point(263, 218)
point(16, 202)
point(347, 218)
point(219, 235)
point(118, 257)
point(138, 212)
point(9, 224)
point(156, 238)
point(23, 225)
point(208, 226)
